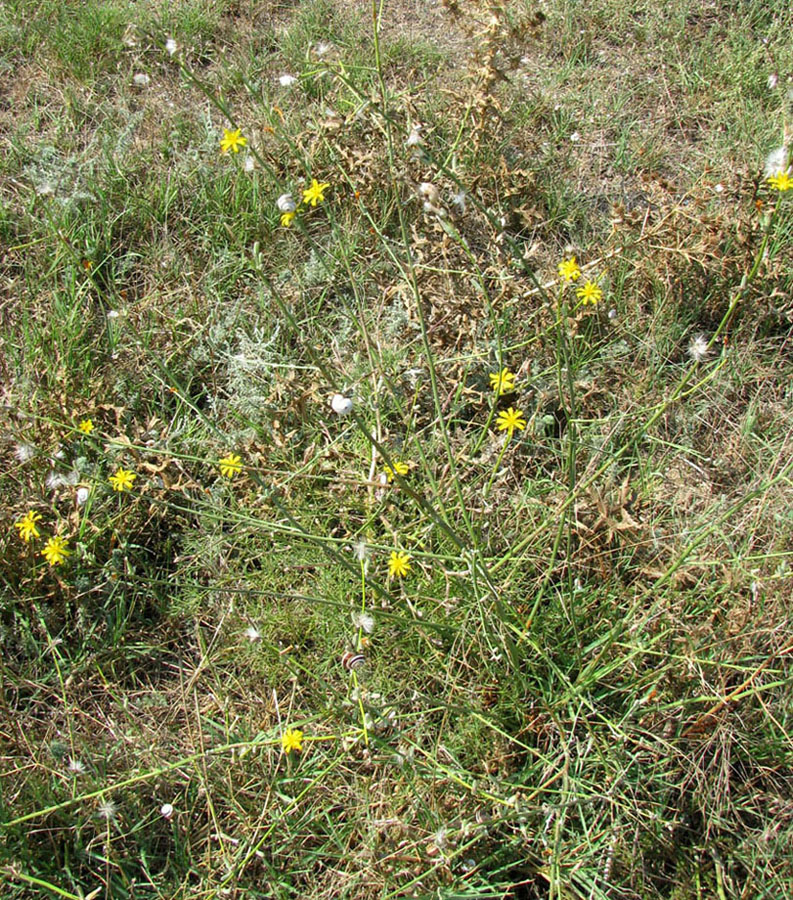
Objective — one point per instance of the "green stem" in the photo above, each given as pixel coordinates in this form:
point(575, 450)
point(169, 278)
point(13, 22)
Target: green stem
point(507, 441)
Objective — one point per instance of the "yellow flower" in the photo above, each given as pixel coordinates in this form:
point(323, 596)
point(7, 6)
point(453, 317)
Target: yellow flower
point(568, 270)
point(398, 564)
point(589, 293)
point(232, 140)
point(230, 465)
point(123, 479)
point(55, 551)
point(316, 192)
point(510, 419)
point(27, 526)
point(781, 181)
point(503, 381)
point(400, 468)
point(286, 219)
point(86, 426)
point(292, 739)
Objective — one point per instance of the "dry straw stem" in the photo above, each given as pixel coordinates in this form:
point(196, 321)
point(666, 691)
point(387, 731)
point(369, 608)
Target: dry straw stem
point(738, 692)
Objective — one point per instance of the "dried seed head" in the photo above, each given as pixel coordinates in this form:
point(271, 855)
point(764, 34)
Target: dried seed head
point(107, 810)
point(24, 452)
point(414, 138)
point(363, 621)
point(430, 193)
point(76, 767)
point(698, 348)
point(776, 161)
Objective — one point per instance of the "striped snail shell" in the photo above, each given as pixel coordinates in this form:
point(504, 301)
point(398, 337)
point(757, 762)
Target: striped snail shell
point(351, 660)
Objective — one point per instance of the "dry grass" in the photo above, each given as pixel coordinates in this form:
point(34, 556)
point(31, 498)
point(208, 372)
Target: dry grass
point(582, 688)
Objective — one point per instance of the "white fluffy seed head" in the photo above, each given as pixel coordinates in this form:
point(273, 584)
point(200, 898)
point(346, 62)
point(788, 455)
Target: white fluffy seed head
point(170, 46)
point(698, 348)
point(24, 452)
point(360, 551)
point(776, 161)
point(414, 138)
point(430, 193)
point(363, 621)
point(107, 810)
point(55, 480)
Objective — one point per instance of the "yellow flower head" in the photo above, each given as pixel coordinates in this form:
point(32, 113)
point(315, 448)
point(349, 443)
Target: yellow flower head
point(27, 526)
point(589, 293)
point(510, 419)
point(398, 564)
point(232, 140)
point(55, 551)
point(316, 192)
point(781, 181)
point(400, 468)
point(230, 465)
point(123, 479)
point(286, 219)
point(503, 381)
point(292, 739)
point(86, 426)
point(568, 270)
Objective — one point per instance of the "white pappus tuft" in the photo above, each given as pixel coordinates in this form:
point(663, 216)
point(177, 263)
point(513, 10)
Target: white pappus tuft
point(363, 621)
point(76, 767)
point(55, 480)
point(107, 810)
point(360, 551)
point(24, 452)
point(776, 161)
point(698, 348)
point(414, 138)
